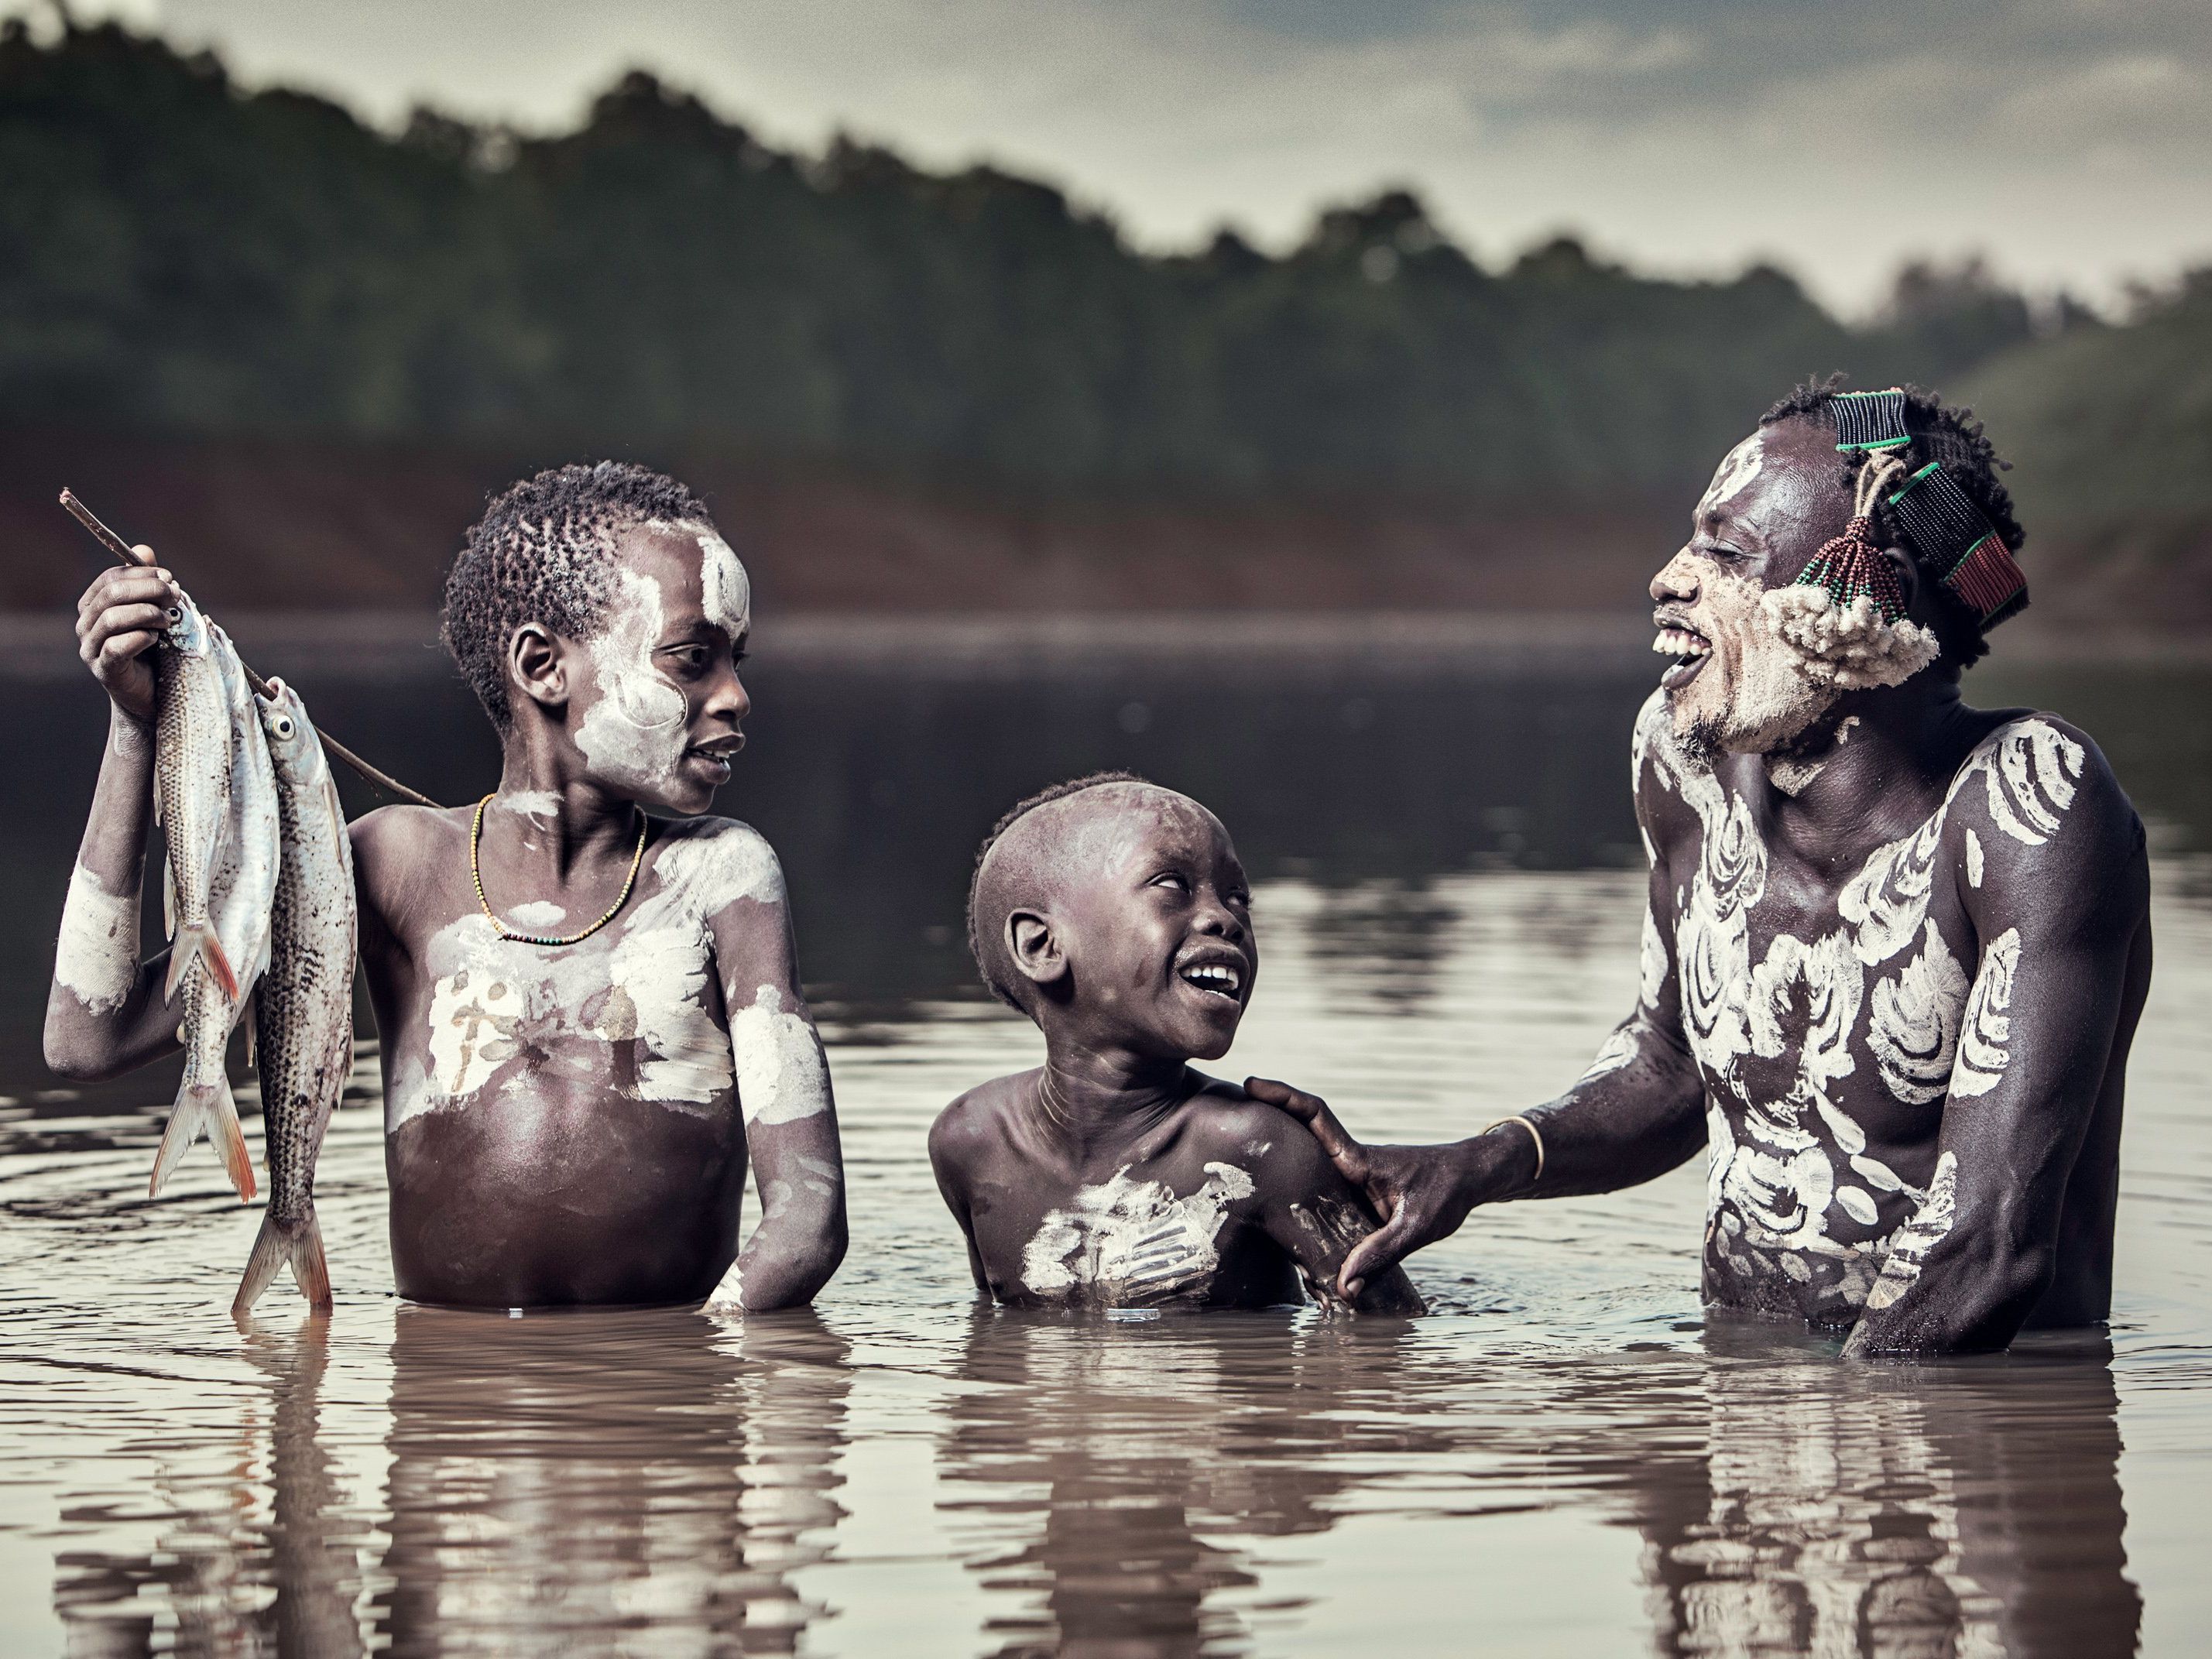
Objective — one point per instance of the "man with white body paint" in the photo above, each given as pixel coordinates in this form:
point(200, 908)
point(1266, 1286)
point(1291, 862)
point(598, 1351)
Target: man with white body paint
point(1896, 946)
point(579, 1055)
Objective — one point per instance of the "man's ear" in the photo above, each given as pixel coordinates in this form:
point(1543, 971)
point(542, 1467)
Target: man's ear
point(1035, 945)
point(1908, 576)
point(537, 664)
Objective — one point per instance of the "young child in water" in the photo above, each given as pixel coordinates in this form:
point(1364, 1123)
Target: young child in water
point(1114, 913)
point(589, 1018)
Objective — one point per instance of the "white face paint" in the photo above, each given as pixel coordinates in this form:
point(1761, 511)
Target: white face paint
point(644, 984)
point(781, 1074)
point(635, 733)
point(1735, 475)
point(96, 957)
point(1134, 1242)
point(726, 591)
point(1752, 695)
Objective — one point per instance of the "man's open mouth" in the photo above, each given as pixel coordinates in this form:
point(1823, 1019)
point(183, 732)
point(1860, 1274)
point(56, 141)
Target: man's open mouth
point(719, 748)
point(1686, 645)
point(1215, 976)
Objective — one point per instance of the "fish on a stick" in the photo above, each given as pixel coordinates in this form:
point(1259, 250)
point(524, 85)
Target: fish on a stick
point(303, 1013)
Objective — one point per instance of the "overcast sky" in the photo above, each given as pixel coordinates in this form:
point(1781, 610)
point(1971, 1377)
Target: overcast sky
point(2069, 140)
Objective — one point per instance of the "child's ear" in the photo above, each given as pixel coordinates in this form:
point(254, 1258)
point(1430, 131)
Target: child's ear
point(535, 662)
point(1035, 946)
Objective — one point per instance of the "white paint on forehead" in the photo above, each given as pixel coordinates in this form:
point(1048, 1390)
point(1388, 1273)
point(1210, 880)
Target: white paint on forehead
point(725, 592)
point(1134, 1242)
point(781, 1074)
point(635, 734)
point(1738, 468)
point(96, 957)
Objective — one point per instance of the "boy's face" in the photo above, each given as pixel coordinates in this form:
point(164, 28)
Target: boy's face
point(655, 703)
point(1155, 917)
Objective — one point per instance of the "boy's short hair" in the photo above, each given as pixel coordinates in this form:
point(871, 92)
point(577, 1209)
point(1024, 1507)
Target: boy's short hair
point(544, 552)
point(986, 963)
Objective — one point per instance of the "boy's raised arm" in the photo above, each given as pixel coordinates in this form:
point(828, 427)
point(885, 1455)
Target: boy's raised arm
point(783, 1090)
point(104, 1010)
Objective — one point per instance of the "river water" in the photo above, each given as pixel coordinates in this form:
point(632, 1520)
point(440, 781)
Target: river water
point(1564, 1457)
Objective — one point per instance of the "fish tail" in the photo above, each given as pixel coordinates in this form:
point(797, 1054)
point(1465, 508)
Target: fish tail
point(298, 1242)
point(204, 1109)
point(197, 938)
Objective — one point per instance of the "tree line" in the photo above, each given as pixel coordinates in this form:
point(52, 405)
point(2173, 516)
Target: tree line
point(178, 254)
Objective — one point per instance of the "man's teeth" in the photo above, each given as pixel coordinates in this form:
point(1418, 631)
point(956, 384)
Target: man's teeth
point(1680, 642)
point(1214, 976)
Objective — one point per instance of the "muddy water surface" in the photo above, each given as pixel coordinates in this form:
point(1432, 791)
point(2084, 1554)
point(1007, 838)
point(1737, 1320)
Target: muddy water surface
point(1565, 1458)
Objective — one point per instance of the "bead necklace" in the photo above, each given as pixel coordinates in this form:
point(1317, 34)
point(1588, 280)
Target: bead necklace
point(476, 874)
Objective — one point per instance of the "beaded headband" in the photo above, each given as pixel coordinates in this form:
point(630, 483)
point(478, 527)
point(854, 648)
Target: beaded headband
point(1955, 538)
point(1870, 420)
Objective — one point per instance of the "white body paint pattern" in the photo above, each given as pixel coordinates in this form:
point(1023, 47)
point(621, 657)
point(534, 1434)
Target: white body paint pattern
point(783, 1076)
point(1791, 1189)
point(1129, 1244)
point(1651, 961)
point(643, 987)
point(96, 957)
point(1983, 1054)
point(1908, 1247)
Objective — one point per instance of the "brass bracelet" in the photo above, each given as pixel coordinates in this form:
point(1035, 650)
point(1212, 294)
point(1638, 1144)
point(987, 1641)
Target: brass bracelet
point(1534, 1134)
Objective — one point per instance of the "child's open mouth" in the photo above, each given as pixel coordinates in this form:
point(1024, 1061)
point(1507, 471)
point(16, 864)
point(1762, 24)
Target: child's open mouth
point(1686, 645)
point(1216, 978)
point(715, 754)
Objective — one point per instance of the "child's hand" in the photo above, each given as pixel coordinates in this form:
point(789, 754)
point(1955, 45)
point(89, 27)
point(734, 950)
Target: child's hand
point(121, 614)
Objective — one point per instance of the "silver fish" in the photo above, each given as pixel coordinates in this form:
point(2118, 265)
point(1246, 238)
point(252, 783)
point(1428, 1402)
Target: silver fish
point(240, 908)
point(303, 1015)
point(192, 777)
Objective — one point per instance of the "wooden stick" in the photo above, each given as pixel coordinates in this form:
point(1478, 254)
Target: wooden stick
point(129, 555)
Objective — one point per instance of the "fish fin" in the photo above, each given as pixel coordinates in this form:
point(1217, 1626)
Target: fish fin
point(197, 938)
point(188, 1118)
point(300, 1244)
point(229, 1137)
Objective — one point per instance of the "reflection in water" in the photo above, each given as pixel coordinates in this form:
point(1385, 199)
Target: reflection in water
point(272, 1513)
point(1125, 1448)
point(1898, 1510)
point(1119, 1484)
point(561, 1478)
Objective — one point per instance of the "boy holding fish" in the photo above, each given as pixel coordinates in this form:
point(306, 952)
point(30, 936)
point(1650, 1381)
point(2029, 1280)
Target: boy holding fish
point(590, 1018)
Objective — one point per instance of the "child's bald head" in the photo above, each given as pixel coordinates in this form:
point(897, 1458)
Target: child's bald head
point(1138, 883)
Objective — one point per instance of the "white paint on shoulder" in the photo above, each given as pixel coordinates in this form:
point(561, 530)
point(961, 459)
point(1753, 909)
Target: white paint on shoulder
point(1973, 859)
point(781, 1073)
point(1134, 1242)
point(96, 957)
point(1987, 1029)
point(1618, 1050)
